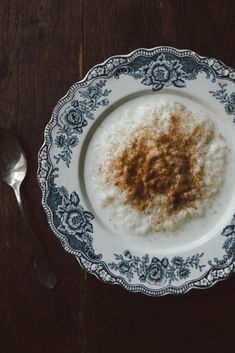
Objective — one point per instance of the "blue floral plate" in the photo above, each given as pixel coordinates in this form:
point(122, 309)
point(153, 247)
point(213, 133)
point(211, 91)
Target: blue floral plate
point(177, 264)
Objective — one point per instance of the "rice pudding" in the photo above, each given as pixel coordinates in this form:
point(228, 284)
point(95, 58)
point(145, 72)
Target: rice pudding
point(159, 166)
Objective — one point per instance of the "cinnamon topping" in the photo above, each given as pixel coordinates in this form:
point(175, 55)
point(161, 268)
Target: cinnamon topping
point(157, 165)
point(163, 165)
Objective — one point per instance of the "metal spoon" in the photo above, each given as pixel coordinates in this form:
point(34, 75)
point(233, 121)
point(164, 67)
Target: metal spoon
point(13, 167)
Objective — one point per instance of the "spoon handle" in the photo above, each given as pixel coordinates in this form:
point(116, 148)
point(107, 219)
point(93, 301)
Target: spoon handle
point(46, 275)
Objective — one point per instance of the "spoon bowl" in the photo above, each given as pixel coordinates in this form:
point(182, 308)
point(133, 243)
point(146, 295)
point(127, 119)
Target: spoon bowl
point(13, 164)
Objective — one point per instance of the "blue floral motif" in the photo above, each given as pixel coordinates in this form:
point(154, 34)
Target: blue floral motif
point(165, 262)
point(229, 244)
point(124, 267)
point(72, 222)
point(60, 140)
point(229, 231)
point(155, 274)
point(162, 73)
point(73, 141)
point(74, 219)
point(183, 272)
point(155, 271)
point(66, 140)
point(177, 261)
point(74, 119)
point(226, 99)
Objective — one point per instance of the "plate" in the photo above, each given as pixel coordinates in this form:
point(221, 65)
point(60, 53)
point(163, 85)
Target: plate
point(155, 265)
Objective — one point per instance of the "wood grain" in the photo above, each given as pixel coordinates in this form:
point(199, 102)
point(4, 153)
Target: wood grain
point(45, 46)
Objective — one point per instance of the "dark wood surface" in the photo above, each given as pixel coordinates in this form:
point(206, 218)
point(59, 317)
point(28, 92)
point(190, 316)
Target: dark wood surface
point(45, 46)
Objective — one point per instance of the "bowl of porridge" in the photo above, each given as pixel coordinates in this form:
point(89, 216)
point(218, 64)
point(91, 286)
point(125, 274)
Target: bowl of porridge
point(137, 171)
point(162, 164)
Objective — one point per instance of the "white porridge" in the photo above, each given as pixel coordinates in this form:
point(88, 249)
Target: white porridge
point(158, 166)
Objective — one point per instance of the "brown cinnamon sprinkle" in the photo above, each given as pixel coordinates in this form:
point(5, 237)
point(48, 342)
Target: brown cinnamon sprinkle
point(161, 165)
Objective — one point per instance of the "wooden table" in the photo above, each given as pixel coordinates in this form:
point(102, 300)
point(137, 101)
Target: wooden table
point(45, 46)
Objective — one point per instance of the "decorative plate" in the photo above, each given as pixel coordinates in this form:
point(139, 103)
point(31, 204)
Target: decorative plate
point(173, 265)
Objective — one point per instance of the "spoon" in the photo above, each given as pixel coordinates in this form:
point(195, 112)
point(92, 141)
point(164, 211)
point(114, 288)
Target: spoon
point(13, 167)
